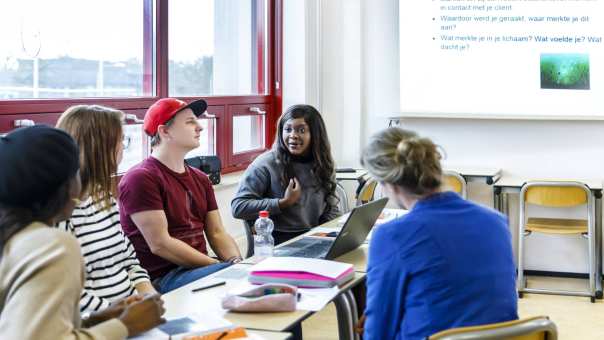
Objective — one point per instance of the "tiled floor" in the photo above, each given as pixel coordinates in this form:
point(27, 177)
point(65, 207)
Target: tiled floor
point(576, 317)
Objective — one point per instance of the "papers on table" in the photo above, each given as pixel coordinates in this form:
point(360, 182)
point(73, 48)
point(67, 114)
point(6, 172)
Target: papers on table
point(196, 324)
point(386, 216)
point(315, 299)
point(205, 302)
point(311, 299)
point(322, 232)
point(232, 273)
point(390, 214)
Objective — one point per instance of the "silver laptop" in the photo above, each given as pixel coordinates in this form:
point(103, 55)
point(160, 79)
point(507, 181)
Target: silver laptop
point(354, 232)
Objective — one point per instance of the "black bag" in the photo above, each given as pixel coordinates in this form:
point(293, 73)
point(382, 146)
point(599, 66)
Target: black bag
point(208, 164)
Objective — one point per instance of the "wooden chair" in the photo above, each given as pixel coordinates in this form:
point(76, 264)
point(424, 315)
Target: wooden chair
point(367, 191)
point(535, 328)
point(342, 198)
point(453, 181)
point(557, 195)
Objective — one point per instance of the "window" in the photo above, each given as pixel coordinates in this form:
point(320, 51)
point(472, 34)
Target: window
point(47, 52)
point(135, 147)
point(249, 126)
point(250, 131)
point(223, 53)
point(207, 141)
point(128, 54)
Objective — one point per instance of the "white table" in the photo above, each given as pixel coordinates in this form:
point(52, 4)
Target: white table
point(346, 305)
point(357, 175)
point(270, 335)
point(182, 302)
point(490, 175)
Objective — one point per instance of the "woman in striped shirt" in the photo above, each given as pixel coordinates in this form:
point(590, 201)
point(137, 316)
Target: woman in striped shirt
point(112, 270)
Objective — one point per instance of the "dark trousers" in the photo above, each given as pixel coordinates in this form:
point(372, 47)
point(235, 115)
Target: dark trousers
point(360, 295)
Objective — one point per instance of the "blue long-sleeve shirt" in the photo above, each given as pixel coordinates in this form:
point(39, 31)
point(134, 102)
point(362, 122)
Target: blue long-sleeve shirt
point(447, 263)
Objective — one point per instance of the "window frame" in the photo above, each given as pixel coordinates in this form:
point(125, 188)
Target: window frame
point(239, 110)
point(155, 57)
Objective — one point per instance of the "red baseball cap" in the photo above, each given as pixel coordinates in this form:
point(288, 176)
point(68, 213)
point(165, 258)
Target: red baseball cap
point(164, 109)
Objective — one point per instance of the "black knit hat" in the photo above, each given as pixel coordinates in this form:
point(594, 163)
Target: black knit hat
point(34, 162)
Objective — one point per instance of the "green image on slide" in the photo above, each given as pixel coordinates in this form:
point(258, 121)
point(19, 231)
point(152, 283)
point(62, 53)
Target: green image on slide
point(565, 71)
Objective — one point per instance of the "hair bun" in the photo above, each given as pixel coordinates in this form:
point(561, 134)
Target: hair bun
point(419, 160)
point(401, 152)
point(400, 157)
point(412, 151)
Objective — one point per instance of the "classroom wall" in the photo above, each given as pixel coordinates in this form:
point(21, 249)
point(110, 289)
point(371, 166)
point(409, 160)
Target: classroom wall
point(294, 53)
point(232, 56)
point(339, 35)
point(358, 84)
point(224, 194)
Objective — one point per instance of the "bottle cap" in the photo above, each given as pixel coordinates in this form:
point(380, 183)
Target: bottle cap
point(263, 213)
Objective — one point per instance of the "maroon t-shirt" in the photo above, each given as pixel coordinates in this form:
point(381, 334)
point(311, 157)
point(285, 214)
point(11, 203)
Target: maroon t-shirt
point(185, 198)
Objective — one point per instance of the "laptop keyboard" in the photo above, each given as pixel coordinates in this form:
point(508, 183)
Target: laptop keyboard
point(305, 247)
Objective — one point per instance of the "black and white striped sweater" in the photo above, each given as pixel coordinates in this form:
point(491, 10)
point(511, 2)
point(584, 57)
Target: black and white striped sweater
point(112, 269)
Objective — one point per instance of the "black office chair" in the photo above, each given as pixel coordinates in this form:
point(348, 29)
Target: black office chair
point(247, 226)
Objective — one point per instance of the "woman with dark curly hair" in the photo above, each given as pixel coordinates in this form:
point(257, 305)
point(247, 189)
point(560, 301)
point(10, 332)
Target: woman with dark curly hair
point(295, 181)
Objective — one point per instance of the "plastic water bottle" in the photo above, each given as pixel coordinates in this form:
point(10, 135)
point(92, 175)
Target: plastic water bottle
point(263, 240)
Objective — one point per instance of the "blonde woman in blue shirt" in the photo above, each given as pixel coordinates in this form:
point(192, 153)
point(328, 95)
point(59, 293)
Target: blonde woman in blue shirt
point(447, 263)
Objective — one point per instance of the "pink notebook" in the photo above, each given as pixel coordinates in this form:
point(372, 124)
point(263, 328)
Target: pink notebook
point(300, 279)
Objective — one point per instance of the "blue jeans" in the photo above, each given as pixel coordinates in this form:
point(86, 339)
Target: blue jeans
point(181, 276)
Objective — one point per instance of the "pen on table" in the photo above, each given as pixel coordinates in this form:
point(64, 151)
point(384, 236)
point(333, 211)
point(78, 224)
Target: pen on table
point(208, 286)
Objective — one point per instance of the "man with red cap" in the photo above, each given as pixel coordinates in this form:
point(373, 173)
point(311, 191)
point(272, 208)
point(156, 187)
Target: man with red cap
point(166, 207)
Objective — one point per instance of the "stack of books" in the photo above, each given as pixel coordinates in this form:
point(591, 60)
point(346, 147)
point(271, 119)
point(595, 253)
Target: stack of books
point(301, 272)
